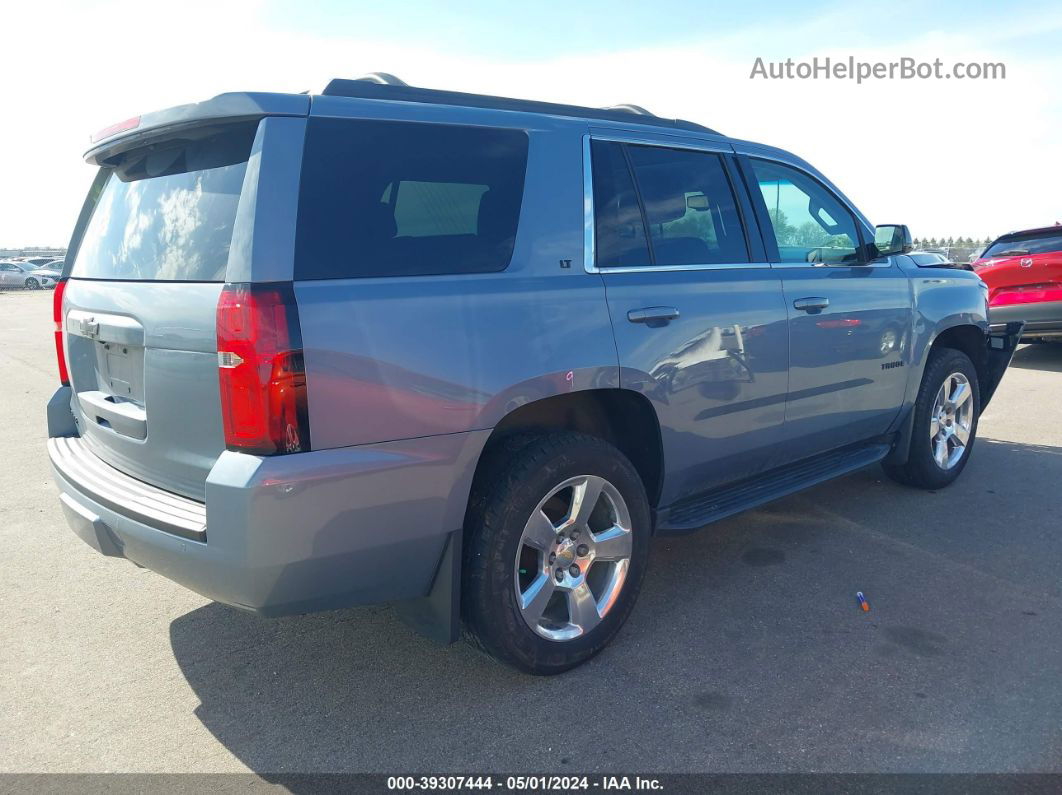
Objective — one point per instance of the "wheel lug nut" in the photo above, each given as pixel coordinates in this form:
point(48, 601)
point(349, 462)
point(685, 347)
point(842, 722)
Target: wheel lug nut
point(573, 570)
point(552, 557)
point(560, 574)
point(575, 534)
point(560, 537)
point(582, 550)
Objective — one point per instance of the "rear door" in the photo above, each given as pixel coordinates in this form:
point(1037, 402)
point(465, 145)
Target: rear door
point(140, 304)
point(849, 316)
point(698, 314)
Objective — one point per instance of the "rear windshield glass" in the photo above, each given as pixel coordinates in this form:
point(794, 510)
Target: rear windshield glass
point(167, 214)
point(1017, 245)
point(381, 198)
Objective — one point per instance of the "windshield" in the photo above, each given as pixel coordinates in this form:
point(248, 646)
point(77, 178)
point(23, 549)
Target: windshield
point(1023, 245)
point(166, 215)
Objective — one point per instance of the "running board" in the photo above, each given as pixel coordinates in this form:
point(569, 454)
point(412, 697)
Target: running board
point(694, 512)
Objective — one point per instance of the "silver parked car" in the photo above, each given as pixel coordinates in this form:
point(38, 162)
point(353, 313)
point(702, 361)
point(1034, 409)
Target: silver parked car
point(49, 270)
point(19, 274)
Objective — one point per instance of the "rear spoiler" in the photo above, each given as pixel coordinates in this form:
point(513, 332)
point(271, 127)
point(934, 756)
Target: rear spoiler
point(222, 109)
point(1002, 342)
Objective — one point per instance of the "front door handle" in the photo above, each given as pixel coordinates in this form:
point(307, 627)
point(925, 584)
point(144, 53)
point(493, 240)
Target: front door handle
point(811, 304)
point(653, 315)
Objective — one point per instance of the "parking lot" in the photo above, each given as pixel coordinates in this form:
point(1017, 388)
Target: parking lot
point(746, 651)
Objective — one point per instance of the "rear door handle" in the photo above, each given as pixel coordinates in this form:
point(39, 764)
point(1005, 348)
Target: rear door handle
point(811, 304)
point(653, 315)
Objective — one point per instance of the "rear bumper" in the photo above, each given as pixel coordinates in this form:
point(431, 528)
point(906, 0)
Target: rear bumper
point(283, 535)
point(1041, 319)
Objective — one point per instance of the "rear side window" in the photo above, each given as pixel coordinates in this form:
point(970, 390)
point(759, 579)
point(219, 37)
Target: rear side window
point(1024, 245)
point(660, 206)
point(167, 214)
point(380, 198)
point(689, 207)
point(619, 230)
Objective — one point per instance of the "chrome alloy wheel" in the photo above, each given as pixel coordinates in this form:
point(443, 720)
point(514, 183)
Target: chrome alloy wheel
point(951, 421)
point(573, 558)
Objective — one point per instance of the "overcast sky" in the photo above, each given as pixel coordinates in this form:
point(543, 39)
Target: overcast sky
point(948, 157)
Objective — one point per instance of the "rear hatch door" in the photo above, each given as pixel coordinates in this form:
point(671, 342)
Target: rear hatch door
point(140, 307)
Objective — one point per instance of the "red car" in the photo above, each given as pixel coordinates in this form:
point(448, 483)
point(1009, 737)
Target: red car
point(1023, 271)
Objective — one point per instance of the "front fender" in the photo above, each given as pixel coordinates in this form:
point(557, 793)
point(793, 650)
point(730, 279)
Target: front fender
point(943, 299)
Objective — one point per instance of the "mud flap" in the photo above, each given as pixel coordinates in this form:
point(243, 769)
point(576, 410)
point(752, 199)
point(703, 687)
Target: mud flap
point(901, 446)
point(438, 613)
point(1001, 346)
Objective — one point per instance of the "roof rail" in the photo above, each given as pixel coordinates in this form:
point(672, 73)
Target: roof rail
point(629, 108)
point(380, 85)
point(383, 79)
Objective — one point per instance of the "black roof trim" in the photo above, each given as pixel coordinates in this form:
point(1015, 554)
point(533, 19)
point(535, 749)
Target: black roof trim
point(363, 89)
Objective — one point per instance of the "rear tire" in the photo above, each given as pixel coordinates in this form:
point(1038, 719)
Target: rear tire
point(945, 422)
point(557, 542)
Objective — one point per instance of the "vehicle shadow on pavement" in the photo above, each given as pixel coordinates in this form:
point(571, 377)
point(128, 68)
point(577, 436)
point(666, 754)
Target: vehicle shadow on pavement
point(746, 651)
point(1043, 356)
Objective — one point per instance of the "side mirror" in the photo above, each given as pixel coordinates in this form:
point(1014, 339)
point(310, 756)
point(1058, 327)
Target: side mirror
point(892, 239)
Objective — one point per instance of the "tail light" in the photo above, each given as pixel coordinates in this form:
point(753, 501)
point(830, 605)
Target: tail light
point(114, 129)
point(57, 317)
point(1026, 294)
point(261, 370)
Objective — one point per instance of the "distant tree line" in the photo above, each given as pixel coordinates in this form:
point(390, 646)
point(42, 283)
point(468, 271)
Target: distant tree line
point(952, 242)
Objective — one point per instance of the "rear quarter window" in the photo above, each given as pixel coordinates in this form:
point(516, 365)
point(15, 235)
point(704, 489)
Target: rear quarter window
point(381, 198)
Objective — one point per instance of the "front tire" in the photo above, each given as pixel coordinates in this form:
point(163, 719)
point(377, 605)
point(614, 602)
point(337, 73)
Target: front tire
point(945, 422)
point(557, 546)
point(32, 284)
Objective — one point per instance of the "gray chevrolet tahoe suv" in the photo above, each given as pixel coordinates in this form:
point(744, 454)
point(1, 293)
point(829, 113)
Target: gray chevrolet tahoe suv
point(467, 353)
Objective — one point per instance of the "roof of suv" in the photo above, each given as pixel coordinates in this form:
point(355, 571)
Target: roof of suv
point(108, 145)
point(362, 88)
point(247, 106)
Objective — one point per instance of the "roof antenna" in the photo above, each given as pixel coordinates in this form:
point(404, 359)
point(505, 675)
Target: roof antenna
point(383, 78)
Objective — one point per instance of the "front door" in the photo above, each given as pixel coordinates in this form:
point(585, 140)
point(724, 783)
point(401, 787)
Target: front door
point(700, 327)
point(849, 315)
